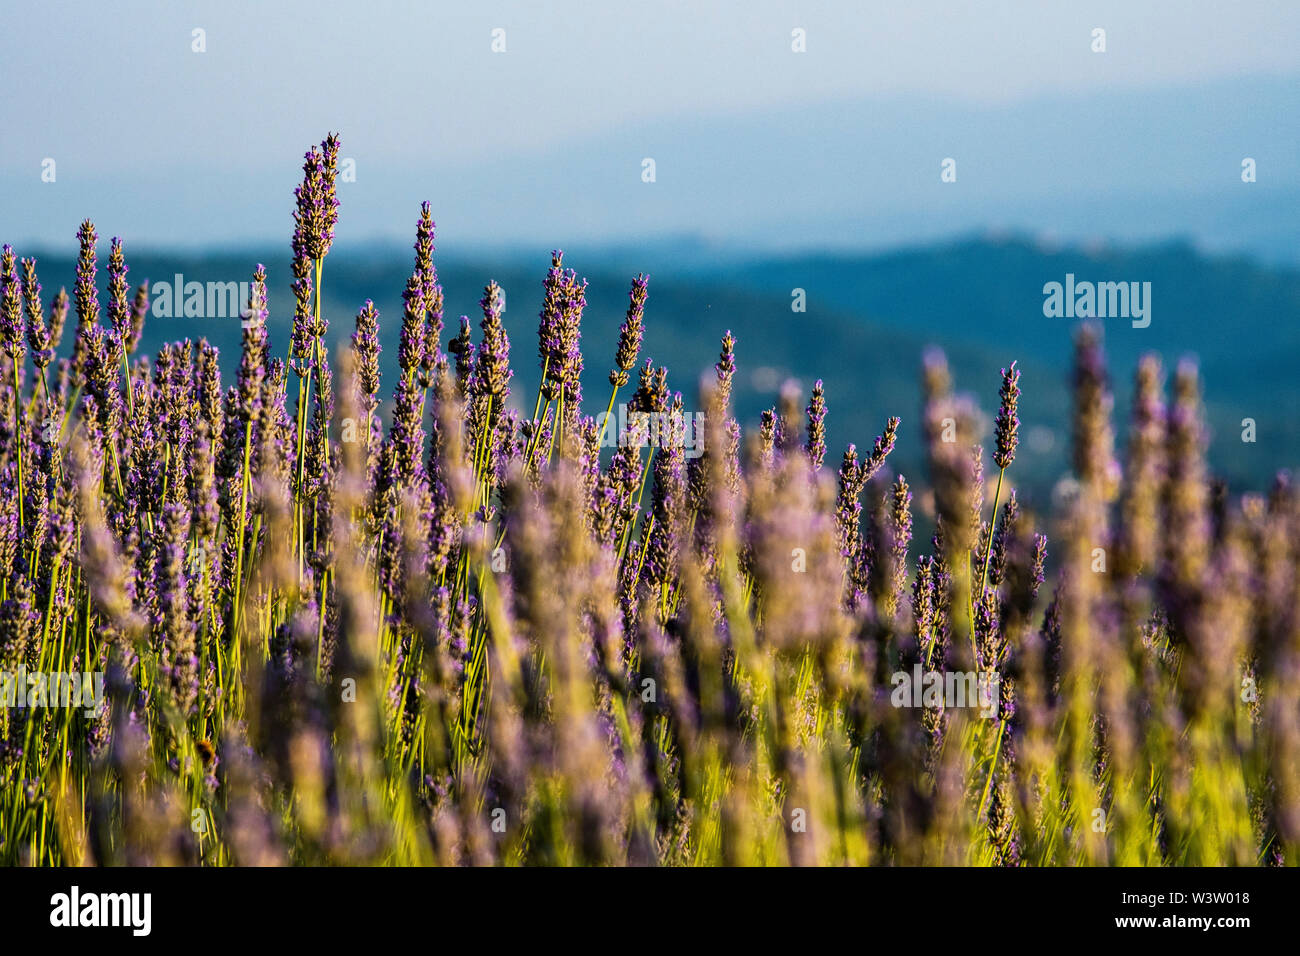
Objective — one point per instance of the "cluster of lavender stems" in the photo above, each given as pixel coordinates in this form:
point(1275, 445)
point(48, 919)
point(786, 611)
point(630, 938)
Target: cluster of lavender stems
point(471, 635)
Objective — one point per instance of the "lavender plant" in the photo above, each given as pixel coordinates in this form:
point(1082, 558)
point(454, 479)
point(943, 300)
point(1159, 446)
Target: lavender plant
point(471, 638)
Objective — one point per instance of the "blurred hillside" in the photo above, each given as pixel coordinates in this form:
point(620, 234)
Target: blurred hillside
point(867, 320)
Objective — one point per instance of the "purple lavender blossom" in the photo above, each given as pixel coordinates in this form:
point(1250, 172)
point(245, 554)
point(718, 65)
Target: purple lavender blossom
point(430, 294)
point(410, 347)
point(726, 369)
point(559, 334)
point(815, 446)
point(58, 316)
point(86, 294)
point(11, 307)
point(630, 332)
point(466, 358)
point(365, 340)
point(253, 357)
point(494, 353)
point(1007, 423)
point(119, 309)
point(38, 336)
point(317, 211)
point(139, 310)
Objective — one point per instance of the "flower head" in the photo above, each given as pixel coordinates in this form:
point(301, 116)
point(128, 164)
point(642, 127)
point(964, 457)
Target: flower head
point(318, 203)
point(1007, 424)
point(816, 443)
point(630, 333)
point(38, 336)
point(726, 368)
point(11, 306)
point(366, 342)
point(119, 309)
point(494, 353)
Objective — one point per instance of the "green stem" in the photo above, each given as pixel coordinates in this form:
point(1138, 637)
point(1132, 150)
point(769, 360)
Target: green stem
point(537, 410)
point(243, 521)
point(988, 554)
point(1002, 726)
point(22, 520)
point(304, 399)
point(126, 373)
point(605, 422)
point(481, 445)
point(627, 532)
point(559, 427)
point(993, 520)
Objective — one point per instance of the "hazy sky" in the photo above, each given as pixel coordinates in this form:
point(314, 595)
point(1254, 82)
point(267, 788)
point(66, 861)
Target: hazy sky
point(115, 93)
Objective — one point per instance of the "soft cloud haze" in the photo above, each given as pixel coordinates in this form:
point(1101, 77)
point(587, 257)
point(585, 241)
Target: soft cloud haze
point(166, 145)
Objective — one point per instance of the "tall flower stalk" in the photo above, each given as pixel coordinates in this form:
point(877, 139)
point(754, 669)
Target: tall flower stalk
point(314, 218)
point(15, 348)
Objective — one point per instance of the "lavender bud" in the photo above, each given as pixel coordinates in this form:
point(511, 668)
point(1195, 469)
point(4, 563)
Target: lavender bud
point(11, 307)
point(630, 333)
point(816, 443)
point(1007, 424)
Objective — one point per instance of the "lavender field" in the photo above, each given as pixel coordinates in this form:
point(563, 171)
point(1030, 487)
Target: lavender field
point(264, 624)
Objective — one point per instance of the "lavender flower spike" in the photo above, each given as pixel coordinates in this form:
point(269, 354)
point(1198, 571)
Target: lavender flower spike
point(58, 316)
point(816, 443)
point(366, 342)
point(494, 354)
point(318, 203)
point(11, 307)
point(1007, 423)
point(119, 309)
point(630, 333)
point(86, 295)
point(38, 336)
point(726, 368)
point(431, 294)
point(139, 310)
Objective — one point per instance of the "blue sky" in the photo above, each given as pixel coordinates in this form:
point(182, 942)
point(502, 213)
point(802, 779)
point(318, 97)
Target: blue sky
point(175, 145)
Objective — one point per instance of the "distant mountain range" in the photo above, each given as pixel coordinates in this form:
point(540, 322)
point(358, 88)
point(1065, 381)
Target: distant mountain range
point(1133, 166)
point(867, 320)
